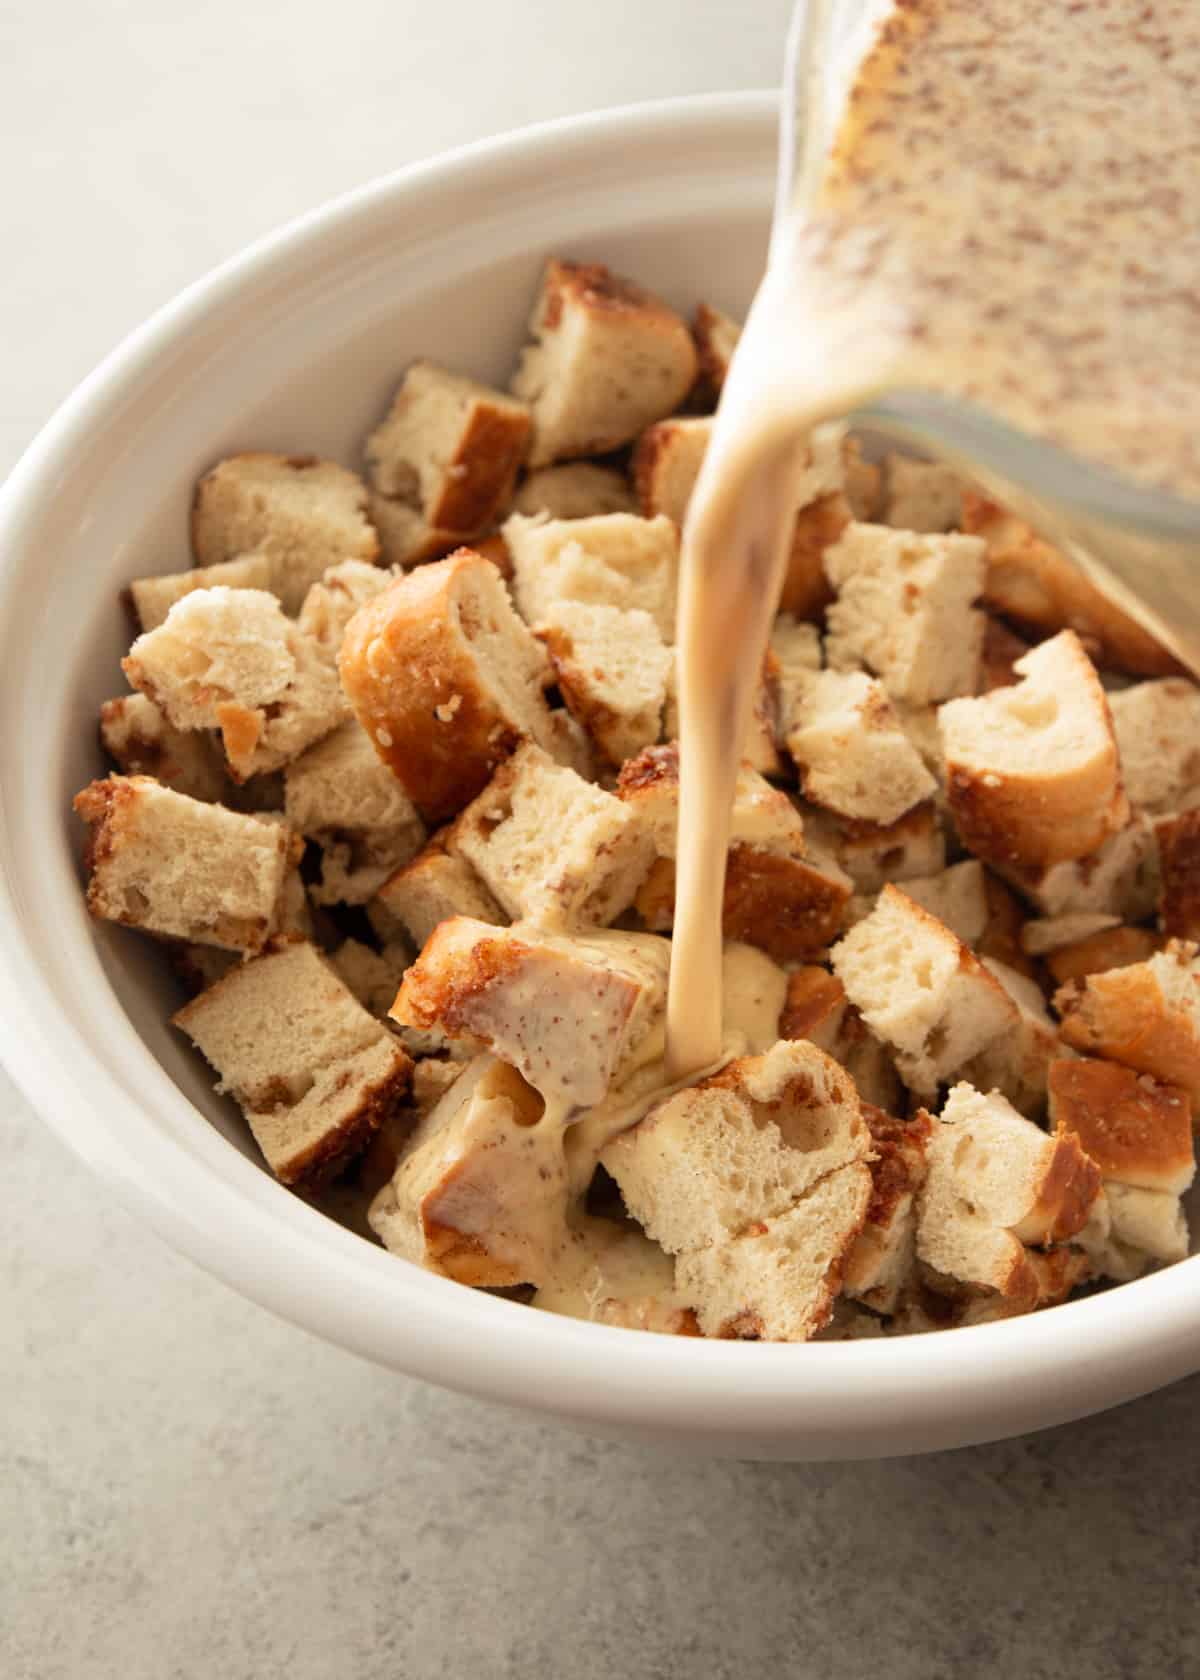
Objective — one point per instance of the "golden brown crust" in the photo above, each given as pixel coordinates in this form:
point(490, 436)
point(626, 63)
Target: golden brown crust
point(1136, 1130)
point(478, 480)
point(806, 590)
point(415, 686)
point(712, 331)
point(1036, 587)
point(652, 767)
point(781, 904)
point(495, 549)
point(1067, 1192)
point(814, 996)
point(1120, 1015)
point(1179, 854)
point(1111, 948)
point(336, 1148)
point(440, 988)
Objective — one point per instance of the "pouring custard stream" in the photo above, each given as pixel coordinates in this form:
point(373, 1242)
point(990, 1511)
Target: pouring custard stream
point(1007, 216)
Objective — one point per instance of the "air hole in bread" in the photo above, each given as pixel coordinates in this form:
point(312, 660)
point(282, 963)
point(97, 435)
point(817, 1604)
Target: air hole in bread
point(1035, 711)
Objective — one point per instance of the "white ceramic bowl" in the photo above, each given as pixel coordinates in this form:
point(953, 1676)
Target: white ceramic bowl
point(295, 346)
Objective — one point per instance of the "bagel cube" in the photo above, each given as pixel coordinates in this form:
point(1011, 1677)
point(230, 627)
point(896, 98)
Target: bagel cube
point(136, 735)
point(228, 659)
point(304, 514)
point(340, 795)
point(1033, 773)
point(905, 610)
point(436, 886)
point(333, 601)
point(449, 450)
point(445, 679)
point(1145, 1016)
point(154, 597)
point(551, 847)
point(313, 1072)
point(852, 753)
point(177, 867)
point(566, 1013)
point(611, 667)
point(613, 560)
point(608, 359)
point(576, 490)
point(1136, 1130)
point(921, 990)
point(478, 1193)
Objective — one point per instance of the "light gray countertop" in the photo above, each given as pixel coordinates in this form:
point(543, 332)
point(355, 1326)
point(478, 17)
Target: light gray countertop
point(190, 1489)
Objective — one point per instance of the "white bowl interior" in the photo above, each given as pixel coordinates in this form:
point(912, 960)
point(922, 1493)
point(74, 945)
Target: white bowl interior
point(297, 348)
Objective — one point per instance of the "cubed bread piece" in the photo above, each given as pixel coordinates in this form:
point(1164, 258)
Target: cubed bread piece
point(797, 650)
point(760, 744)
point(340, 795)
point(872, 854)
point(229, 659)
point(1178, 841)
point(434, 887)
point(566, 1012)
point(1018, 1063)
point(862, 482)
point(577, 490)
point(957, 897)
point(667, 462)
point(853, 755)
point(608, 360)
point(1033, 773)
point(1149, 1223)
point(777, 896)
point(135, 734)
point(614, 560)
point(445, 679)
point(333, 601)
point(153, 597)
point(1001, 652)
point(779, 1279)
point(449, 449)
point(905, 610)
point(1136, 1130)
point(1146, 1016)
point(1053, 933)
point(806, 590)
point(716, 337)
point(741, 1146)
point(921, 990)
point(753, 995)
point(1118, 947)
point(372, 976)
point(479, 1190)
point(1036, 587)
point(611, 1273)
point(312, 1071)
point(552, 847)
point(304, 514)
point(814, 1008)
point(921, 495)
point(1122, 877)
point(1132, 1229)
point(1157, 726)
point(611, 666)
point(171, 865)
point(995, 1182)
point(882, 1260)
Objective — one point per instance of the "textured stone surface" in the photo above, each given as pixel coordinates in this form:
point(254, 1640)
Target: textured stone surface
point(191, 1490)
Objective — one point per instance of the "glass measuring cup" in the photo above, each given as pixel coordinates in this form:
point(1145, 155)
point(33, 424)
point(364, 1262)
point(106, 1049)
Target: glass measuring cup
point(1139, 546)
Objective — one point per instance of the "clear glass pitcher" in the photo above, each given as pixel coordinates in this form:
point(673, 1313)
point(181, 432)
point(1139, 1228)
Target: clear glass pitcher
point(1141, 547)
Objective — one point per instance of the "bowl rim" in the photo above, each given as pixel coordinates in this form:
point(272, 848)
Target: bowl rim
point(230, 1218)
